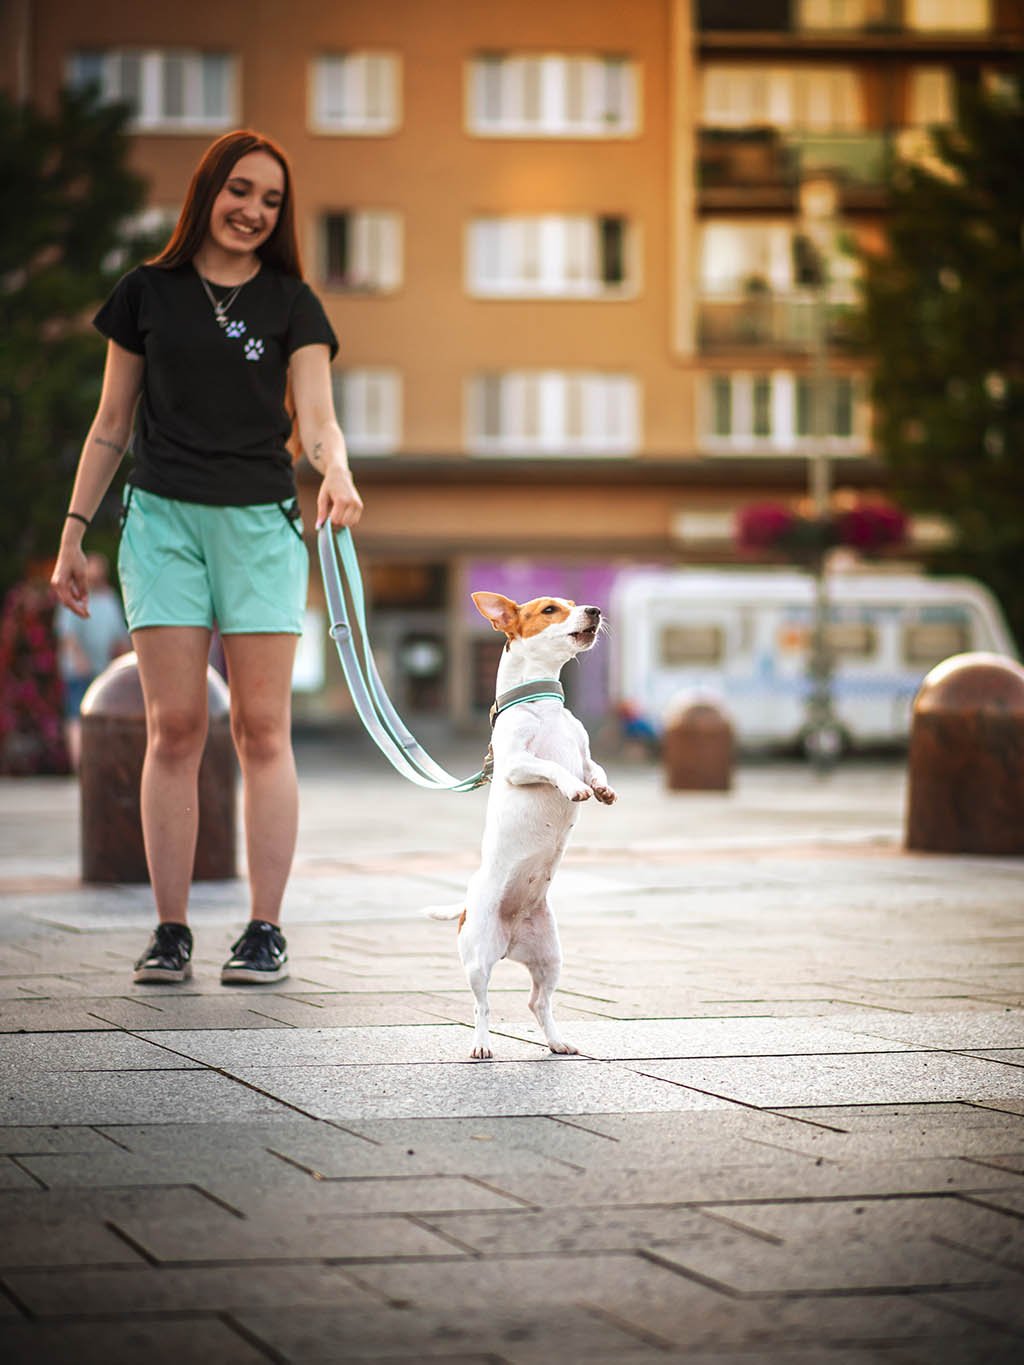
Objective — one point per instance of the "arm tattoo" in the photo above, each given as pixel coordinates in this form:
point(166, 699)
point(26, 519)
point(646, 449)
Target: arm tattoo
point(317, 456)
point(111, 445)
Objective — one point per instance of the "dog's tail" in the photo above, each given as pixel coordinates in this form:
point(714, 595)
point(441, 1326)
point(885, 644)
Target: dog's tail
point(445, 911)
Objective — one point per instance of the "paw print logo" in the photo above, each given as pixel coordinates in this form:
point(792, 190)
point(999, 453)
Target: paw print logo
point(253, 348)
point(234, 329)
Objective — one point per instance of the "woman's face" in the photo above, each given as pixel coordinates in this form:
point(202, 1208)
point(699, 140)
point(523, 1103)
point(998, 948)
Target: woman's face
point(246, 210)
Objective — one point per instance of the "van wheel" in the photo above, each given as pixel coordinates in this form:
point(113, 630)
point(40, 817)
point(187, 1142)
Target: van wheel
point(824, 745)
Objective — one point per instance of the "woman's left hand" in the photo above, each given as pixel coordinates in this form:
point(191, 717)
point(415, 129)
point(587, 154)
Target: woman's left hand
point(338, 501)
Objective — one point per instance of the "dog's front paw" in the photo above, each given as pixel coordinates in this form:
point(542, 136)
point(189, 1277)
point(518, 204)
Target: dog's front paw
point(575, 791)
point(606, 795)
point(564, 1049)
point(482, 1054)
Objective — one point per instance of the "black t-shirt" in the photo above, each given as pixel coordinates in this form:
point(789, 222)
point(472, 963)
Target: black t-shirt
point(212, 425)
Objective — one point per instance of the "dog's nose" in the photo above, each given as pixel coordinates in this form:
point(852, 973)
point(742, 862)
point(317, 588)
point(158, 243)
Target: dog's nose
point(594, 613)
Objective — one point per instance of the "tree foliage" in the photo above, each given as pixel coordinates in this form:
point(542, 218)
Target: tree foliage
point(63, 243)
point(944, 321)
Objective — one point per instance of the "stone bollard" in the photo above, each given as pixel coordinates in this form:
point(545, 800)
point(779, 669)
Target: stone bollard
point(966, 763)
point(110, 774)
point(697, 747)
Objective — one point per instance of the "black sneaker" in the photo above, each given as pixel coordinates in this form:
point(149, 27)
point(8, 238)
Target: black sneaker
point(168, 956)
point(261, 954)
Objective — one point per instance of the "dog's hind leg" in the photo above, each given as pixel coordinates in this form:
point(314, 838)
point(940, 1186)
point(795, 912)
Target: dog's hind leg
point(480, 948)
point(541, 953)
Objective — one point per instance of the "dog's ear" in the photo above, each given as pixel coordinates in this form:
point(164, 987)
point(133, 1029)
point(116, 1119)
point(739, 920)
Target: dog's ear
point(502, 612)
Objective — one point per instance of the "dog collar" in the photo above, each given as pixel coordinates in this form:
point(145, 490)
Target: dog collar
point(540, 689)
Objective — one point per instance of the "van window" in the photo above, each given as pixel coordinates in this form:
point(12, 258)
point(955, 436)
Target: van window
point(852, 639)
point(929, 642)
point(682, 645)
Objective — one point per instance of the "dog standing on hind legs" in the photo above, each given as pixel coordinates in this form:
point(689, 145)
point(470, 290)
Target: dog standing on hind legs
point(542, 772)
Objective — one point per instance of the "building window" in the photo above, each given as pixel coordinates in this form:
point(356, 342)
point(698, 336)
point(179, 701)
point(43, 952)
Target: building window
point(931, 97)
point(762, 398)
point(361, 251)
point(721, 405)
point(369, 407)
point(826, 16)
point(547, 256)
point(550, 412)
point(355, 92)
point(839, 406)
point(687, 646)
point(802, 99)
point(552, 96)
point(949, 16)
point(745, 413)
point(172, 90)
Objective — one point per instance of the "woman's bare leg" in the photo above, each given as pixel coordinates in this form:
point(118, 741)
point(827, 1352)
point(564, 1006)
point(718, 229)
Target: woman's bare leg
point(260, 681)
point(172, 666)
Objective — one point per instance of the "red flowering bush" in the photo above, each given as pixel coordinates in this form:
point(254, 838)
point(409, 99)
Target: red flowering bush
point(31, 692)
point(776, 528)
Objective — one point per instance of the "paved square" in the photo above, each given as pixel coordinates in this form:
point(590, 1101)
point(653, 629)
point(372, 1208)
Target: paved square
point(794, 1134)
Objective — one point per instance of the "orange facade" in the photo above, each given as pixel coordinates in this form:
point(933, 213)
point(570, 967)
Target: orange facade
point(535, 292)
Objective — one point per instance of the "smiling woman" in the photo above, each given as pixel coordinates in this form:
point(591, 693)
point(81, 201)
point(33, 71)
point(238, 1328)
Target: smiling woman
point(205, 341)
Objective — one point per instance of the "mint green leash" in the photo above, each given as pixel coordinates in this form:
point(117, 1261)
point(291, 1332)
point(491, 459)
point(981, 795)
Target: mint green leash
point(346, 602)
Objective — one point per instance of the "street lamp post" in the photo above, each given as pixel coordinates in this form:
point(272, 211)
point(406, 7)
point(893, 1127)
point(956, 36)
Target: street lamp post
point(823, 738)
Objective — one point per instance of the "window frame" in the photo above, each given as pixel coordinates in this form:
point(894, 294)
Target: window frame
point(318, 121)
point(531, 412)
point(151, 65)
point(532, 79)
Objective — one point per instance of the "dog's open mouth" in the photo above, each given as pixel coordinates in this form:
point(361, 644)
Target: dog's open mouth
point(585, 637)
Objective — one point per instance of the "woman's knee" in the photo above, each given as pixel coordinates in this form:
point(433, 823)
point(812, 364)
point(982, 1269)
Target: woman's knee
point(176, 734)
point(260, 737)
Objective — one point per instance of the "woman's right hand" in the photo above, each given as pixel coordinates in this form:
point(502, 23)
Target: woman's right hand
point(69, 580)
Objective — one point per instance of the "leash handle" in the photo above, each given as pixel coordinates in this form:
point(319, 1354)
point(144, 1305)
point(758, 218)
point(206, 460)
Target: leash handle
point(339, 567)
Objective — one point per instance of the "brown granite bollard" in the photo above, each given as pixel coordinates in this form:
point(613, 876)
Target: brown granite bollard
point(110, 773)
point(697, 747)
point(966, 765)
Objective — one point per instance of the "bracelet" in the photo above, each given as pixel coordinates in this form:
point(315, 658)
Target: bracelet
point(77, 517)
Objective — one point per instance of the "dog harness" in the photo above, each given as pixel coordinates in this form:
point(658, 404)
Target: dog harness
point(346, 602)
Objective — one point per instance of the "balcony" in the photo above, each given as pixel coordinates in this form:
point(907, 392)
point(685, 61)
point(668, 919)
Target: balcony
point(800, 16)
point(760, 320)
point(763, 167)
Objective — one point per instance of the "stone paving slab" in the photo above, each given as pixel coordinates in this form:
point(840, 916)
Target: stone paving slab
point(548, 1086)
point(23, 1053)
point(171, 1340)
point(297, 1236)
point(678, 1312)
point(148, 1289)
point(869, 1078)
point(519, 1334)
point(762, 1037)
point(121, 1096)
point(848, 1245)
point(240, 1050)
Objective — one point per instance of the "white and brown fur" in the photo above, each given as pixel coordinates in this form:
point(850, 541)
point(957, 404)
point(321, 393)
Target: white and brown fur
point(542, 772)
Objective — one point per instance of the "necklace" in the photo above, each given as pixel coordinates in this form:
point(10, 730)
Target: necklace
point(221, 306)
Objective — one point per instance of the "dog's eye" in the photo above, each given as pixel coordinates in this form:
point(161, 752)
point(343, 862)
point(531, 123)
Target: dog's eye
point(549, 610)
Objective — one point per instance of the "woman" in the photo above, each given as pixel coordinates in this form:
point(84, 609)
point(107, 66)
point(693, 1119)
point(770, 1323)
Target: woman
point(209, 339)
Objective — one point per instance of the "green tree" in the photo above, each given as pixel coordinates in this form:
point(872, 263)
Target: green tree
point(944, 322)
point(63, 243)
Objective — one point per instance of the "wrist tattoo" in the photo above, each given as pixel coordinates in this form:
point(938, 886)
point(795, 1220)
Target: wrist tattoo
point(111, 445)
point(317, 456)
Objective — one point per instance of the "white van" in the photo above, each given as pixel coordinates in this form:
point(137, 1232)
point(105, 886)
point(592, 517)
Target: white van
point(742, 636)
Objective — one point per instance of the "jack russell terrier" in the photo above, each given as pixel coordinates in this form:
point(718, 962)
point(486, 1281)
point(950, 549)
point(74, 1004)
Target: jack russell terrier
point(542, 772)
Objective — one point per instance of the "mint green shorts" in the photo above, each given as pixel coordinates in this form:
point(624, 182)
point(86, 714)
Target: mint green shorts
point(245, 569)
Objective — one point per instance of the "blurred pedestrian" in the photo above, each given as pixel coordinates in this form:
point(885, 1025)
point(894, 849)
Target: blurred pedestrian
point(86, 645)
point(218, 341)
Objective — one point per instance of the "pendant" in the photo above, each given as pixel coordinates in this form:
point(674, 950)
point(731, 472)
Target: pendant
point(221, 319)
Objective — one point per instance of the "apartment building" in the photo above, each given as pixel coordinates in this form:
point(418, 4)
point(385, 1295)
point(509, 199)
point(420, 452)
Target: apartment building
point(559, 244)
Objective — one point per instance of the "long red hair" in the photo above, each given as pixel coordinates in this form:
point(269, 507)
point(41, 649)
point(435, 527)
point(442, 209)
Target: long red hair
point(281, 249)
